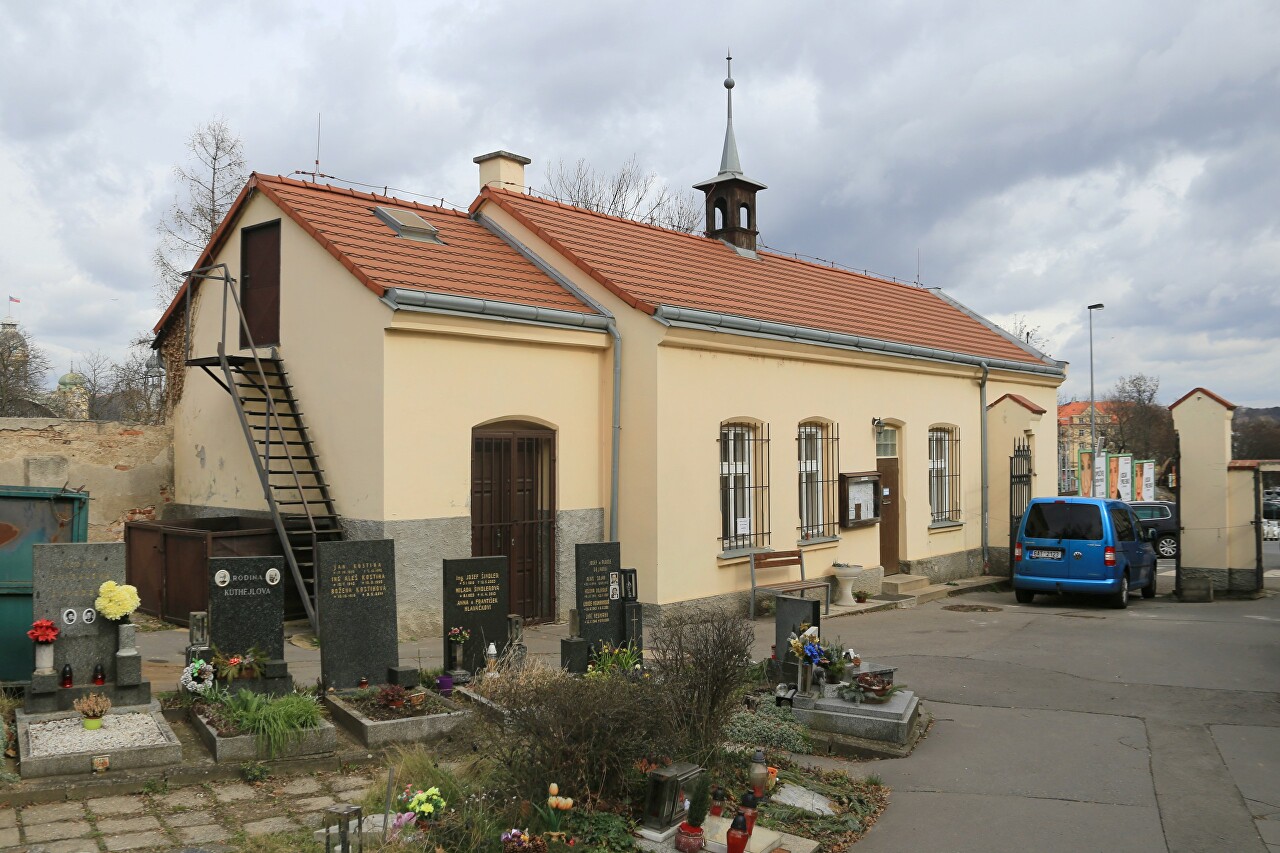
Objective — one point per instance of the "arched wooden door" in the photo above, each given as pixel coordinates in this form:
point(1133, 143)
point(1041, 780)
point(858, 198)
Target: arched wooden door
point(513, 511)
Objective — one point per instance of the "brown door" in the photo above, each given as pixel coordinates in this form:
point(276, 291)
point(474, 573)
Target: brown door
point(260, 284)
point(513, 512)
point(889, 503)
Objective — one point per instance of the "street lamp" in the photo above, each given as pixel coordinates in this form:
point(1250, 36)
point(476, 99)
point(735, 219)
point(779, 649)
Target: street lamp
point(1093, 408)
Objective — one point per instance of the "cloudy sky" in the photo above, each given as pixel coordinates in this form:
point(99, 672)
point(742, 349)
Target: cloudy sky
point(1033, 157)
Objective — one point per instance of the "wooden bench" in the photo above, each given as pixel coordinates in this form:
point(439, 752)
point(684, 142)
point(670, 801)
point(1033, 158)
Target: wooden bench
point(782, 560)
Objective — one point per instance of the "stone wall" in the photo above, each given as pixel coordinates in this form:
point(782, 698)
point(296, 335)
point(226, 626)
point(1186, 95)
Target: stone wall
point(946, 567)
point(126, 468)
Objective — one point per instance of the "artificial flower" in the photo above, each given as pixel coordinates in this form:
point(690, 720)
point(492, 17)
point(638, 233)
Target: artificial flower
point(43, 631)
point(116, 601)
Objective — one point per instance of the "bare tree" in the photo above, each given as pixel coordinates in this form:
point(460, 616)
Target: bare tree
point(207, 185)
point(630, 192)
point(23, 367)
point(1258, 438)
point(1141, 425)
point(1020, 327)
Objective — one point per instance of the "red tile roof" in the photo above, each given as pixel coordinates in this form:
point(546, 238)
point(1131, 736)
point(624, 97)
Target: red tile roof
point(647, 266)
point(1066, 411)
point(472, 262)
point(1207, 393)
point(1021, 401)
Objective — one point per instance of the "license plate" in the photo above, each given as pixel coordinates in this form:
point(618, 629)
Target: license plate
point(1046, 554)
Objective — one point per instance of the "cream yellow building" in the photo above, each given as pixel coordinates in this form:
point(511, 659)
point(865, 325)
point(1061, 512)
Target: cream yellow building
point(529, 375)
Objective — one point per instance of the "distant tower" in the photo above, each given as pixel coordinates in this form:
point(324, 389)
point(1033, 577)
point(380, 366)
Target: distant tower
point(731, 195)
point(14, 345)
point(73, 395)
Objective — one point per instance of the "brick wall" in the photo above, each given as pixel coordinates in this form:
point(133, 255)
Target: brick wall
point(126, 468)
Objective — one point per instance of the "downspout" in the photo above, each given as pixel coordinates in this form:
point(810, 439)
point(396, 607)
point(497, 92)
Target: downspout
point(1257, 527)
point(982, 401)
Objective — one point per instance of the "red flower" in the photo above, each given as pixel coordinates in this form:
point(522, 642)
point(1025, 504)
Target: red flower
point(234, 660)
point(43, 631)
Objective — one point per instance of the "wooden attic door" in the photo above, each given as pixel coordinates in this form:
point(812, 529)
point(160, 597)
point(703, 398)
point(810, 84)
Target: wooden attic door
point(260, 284)
point(513, 511)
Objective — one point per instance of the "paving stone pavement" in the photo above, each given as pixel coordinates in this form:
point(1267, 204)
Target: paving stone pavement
point(223, 816)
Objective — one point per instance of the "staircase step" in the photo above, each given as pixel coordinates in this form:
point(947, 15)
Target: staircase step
point(294, 415)
point(903, 584)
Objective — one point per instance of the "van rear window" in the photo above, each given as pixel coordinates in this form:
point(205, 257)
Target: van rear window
point(1063, 521)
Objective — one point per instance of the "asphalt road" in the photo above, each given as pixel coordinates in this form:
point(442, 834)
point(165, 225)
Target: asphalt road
point(1066, 726)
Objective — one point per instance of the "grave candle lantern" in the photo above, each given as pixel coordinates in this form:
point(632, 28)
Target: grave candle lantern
point(747, 811)
point(66, 675)
point(737, 836)
point(99, 677)
point(665, 799)
point(758, 774)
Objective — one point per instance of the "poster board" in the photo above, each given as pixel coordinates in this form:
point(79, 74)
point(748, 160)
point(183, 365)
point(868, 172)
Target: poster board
point(1122, 488)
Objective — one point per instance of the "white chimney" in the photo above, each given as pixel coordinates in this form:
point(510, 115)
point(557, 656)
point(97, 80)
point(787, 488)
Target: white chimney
point(503, 170)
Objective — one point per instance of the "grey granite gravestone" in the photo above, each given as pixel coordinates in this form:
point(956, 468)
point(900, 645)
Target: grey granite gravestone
point(599, 586)
point(357, 610)
point(476, 598)
point(65, 583)
point(246, 605)
point(574, 653)
point(792, 612)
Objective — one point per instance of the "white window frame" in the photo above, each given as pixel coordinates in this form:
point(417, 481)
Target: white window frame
point(812, 520)
point(737, 444)
point(887, 430)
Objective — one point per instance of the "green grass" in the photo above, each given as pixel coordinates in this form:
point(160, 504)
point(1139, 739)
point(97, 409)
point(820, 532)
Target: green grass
point(276, 723)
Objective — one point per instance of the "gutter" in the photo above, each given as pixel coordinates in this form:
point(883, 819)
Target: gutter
point(610, 326)
point(444, 303)
point(693, 318)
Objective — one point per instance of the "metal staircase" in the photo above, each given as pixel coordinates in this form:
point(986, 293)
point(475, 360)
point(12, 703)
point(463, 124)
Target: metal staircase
point(283, 452)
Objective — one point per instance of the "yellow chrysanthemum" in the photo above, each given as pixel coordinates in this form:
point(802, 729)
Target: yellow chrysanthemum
point(116, 601)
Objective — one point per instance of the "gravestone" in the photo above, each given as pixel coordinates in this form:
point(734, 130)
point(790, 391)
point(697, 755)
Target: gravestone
point(246, 605)
point(630, 585)
point(792, 612)
point(600, 601)
point(476, 598)
point(65, 583)
point(357, 611)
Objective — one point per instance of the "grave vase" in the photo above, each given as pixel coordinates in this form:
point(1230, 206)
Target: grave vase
point(128, 636)
point(455, 655)
point(805, 684)
point(44, 658)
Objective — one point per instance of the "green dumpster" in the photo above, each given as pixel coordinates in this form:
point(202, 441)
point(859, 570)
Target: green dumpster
point(30, 516)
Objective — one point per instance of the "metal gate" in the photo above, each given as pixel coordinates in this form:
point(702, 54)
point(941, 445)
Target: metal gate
point(1019, 490)
point(513, 513)
point(30, 516)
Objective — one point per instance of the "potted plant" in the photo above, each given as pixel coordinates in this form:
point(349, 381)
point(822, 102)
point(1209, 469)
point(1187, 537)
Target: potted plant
point(230, 667)
point(860, 597)
point(43, 632)
point(689, 836)
point(392, 696)
point(92, 707)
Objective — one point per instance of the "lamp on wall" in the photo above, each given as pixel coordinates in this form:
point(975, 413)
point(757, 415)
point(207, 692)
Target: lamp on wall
point(878, 425)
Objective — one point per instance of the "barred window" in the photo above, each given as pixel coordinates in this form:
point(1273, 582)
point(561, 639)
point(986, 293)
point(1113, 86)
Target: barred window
point(944, 473)
point(744, 486)
point(886, 442)
point(818, 454)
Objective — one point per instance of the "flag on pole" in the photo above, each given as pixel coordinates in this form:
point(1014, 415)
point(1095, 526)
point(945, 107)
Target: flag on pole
point(15, 299)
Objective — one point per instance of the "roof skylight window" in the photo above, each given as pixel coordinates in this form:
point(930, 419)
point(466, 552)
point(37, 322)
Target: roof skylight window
point(408, 224)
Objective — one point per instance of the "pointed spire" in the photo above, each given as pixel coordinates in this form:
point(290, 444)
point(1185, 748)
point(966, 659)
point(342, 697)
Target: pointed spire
point(729, 158)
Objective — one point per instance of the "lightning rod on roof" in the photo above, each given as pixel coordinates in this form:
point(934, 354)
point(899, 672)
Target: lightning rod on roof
point(315, 174)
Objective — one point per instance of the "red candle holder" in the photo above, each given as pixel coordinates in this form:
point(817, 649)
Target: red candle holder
point(66, 675)
point(99, 677)
point(364, 682)
point(736, 838)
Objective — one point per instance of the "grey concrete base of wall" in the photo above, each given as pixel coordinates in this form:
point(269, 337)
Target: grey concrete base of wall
point(999, 562)
point(378, 732)
point(946, 567)
point(81, 763)
point(1224, 580)
point(1197, 590)
point(738, 603)
point(573, 527)
point(322, 739)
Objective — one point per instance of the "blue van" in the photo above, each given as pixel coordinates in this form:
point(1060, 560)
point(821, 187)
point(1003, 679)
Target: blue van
point(1086, 545)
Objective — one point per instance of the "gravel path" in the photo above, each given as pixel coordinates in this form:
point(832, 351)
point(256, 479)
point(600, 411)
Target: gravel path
point(64, 737)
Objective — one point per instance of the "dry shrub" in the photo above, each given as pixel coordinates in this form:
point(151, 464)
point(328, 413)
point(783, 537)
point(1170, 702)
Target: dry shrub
point(701, 659)
point(585, 734)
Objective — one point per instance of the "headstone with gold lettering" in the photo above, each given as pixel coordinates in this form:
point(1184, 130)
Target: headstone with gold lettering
point(476, 599)
point(357, 610)
point(600, 598)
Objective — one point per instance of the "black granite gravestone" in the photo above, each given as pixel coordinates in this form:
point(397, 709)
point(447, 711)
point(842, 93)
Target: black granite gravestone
point(246, 605)
point(790, 614)
point(65, 583)
point(357, 612)
point(476, 598)
point(599, 576)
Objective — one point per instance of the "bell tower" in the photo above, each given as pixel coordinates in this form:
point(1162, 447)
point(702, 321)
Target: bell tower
point(731, 195)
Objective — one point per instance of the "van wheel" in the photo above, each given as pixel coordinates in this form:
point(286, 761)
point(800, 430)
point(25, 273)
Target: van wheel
point(1024, 596)
point(1120, 600)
